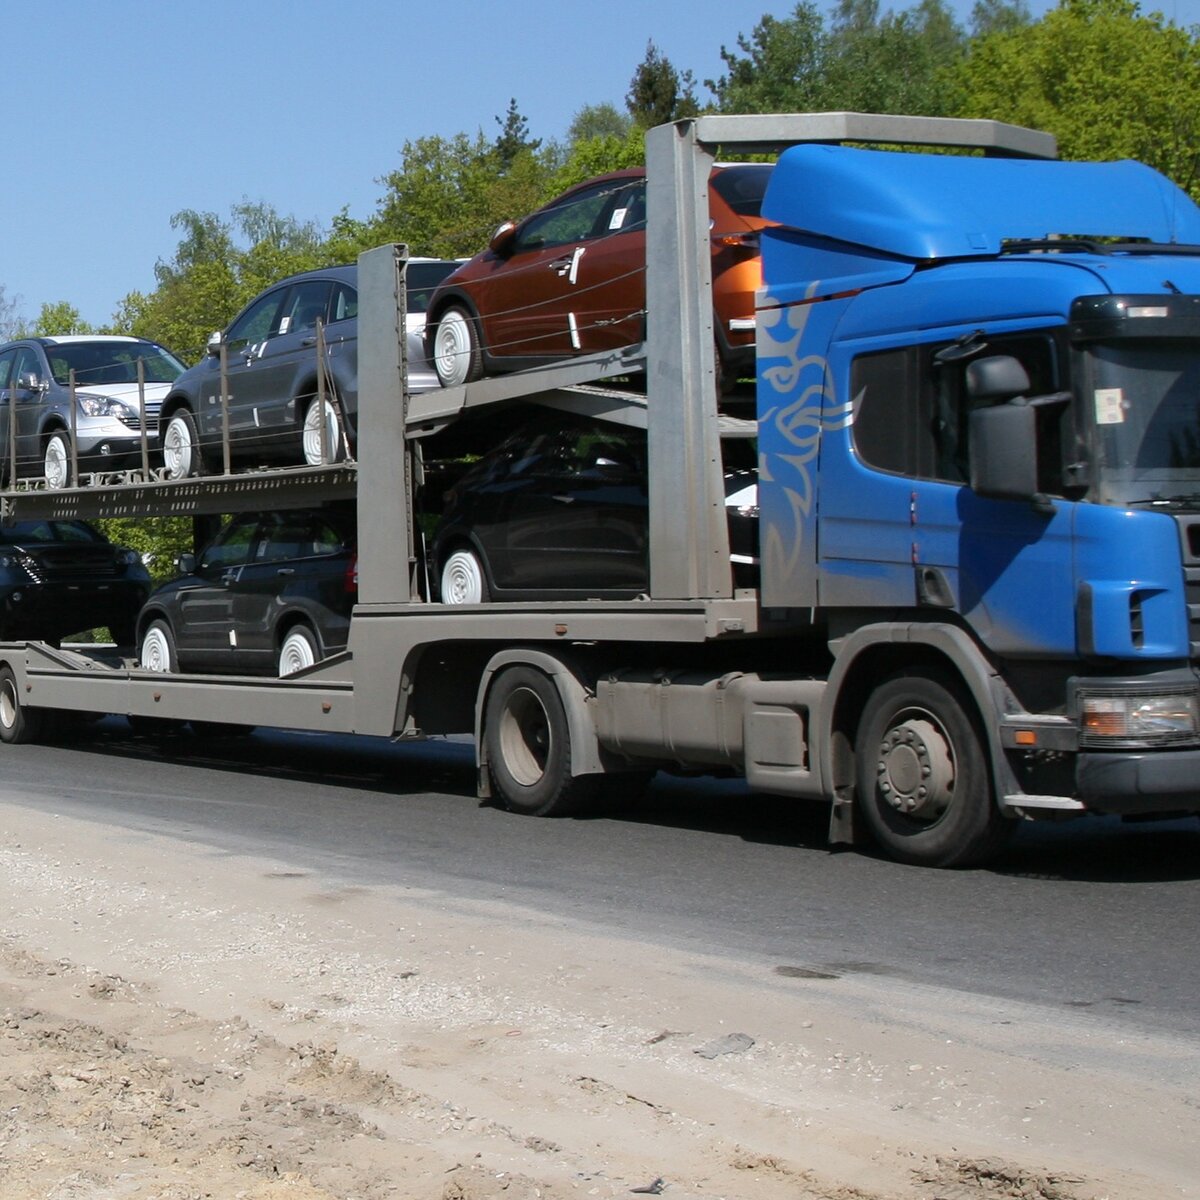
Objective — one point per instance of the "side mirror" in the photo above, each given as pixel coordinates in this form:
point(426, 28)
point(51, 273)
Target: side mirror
point(28, 381)
point(1003, 442)
point(213, 347)
point(186, 564)
point(502, 240)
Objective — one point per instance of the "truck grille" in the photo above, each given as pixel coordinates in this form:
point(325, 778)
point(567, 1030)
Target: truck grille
point(1189, 528)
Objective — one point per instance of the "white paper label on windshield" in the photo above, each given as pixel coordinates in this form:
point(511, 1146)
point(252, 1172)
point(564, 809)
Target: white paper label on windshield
point(618, 218)
point(1110, 406)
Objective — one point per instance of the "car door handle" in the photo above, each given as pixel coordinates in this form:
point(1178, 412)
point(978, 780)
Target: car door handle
point(560, 266)
point(286, 571)
point(229, 577)
point(309, 341)
point(561, 499)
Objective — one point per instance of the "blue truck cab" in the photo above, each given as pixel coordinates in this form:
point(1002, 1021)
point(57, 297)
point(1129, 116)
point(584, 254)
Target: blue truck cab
point(979, 441)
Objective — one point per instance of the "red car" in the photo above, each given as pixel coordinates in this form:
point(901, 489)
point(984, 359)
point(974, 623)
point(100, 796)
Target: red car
point(570, 279)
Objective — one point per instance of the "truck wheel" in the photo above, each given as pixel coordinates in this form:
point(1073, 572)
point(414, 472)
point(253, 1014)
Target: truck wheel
point(463, 580)
point(924, 785)
point(299, 650)
point(181, 446)
point(457, 357)
point(56, 462)
point(334, 442)
point(17, 723)
point(157, 651)
point(528, 745)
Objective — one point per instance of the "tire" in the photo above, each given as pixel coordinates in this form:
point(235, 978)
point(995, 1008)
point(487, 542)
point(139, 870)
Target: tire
point(18, 724)
point(56, 461)
point(457, 355)
point(298, 651)
point(464, 580)
point(311, 433)
point(924, 781)
point(156, 651)
point(528, 743)
point(181, 446)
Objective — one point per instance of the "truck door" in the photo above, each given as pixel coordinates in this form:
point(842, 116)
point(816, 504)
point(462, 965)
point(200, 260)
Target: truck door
point(899, 525)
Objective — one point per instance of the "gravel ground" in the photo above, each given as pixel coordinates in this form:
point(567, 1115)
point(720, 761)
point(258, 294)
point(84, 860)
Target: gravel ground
point(178, 1024)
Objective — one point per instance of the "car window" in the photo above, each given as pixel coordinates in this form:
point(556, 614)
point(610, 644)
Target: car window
point(15, 532)
point(233, 546)
point(345, 303)
point(742, 187)
point(28, 370)
point(630, 210)
point(257, 323)
point(421, 279)
point(296, 535)
point(6, 366)
point(306, 304)
point(576, 219)
point(111, 362)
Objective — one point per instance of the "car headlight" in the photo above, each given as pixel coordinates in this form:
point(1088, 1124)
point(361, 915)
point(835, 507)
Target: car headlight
point(1134, 720)
point(103, 406)
point(127, 558)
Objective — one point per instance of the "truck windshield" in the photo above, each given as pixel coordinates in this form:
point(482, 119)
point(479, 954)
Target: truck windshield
point(1145, 398)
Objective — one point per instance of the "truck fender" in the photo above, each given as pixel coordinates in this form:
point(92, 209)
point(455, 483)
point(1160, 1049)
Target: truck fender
point(586, 755)
point(987, 689)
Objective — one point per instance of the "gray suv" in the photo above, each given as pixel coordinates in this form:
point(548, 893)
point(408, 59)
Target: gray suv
point(271, 361)
point(35, 396)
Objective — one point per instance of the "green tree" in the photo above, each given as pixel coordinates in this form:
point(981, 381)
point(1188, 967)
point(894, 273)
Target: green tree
point(1108, 80)
point(10, 320)
point(865, 60)
point(658, 92)
point(597, 121)
point(514, 137)
point(60, 320)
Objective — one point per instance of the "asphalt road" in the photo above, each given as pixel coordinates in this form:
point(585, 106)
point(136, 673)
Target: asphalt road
point(1090, 915)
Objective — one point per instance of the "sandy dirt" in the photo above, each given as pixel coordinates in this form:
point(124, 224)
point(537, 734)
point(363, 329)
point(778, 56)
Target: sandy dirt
point(178, 1024)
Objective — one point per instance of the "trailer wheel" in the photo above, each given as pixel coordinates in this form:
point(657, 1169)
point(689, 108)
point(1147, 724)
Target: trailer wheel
point(528, 745)
point(56, 461)
point(924, 784)
point(335, 448)
point(17, 723)
point(457, 356)
point(181, 446)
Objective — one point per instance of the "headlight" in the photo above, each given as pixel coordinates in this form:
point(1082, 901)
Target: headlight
point(1132, 720)
point(103, 406)
point(127, 558)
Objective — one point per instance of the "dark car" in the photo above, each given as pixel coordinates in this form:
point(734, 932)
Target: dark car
point(271, 360)
point(570, 279)
point(63, 577)
point(559, 510)
point(35, 377)
point(271, 594)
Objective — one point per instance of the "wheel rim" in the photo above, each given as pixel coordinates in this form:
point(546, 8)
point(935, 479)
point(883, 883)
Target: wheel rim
point(915, 768)
point(524, 737)
point(57, 465)
point(452, 348)
point(295, 654)
point(462, 579)
point(312, 433)
point(156, 653)
point(177, 449)
point(8, 704)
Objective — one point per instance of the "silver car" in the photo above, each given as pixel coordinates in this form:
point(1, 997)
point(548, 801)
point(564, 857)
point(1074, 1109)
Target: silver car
point(35, 403)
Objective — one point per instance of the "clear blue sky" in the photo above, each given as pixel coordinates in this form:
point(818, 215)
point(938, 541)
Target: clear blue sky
point(121, 114)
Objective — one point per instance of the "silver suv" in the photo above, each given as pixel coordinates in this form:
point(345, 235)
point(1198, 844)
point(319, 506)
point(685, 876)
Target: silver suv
point(35, 397)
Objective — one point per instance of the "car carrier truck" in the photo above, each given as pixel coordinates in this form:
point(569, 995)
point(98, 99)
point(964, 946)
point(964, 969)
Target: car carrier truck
point(978, 437)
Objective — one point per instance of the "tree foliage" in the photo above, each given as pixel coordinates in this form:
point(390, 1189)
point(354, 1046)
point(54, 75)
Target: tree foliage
point(1108, 80)
point(10, 320)
point(658, 93)
point(60, 320)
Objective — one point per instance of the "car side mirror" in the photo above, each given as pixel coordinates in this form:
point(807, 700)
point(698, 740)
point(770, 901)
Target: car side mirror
point(28, 381)
point(185, 564)
point(213, 347)
point(502, 240)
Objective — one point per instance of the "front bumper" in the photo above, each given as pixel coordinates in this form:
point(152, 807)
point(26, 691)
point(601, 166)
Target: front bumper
point(1135, 782)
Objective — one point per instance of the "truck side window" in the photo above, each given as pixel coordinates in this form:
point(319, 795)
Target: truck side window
point(911, 410)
